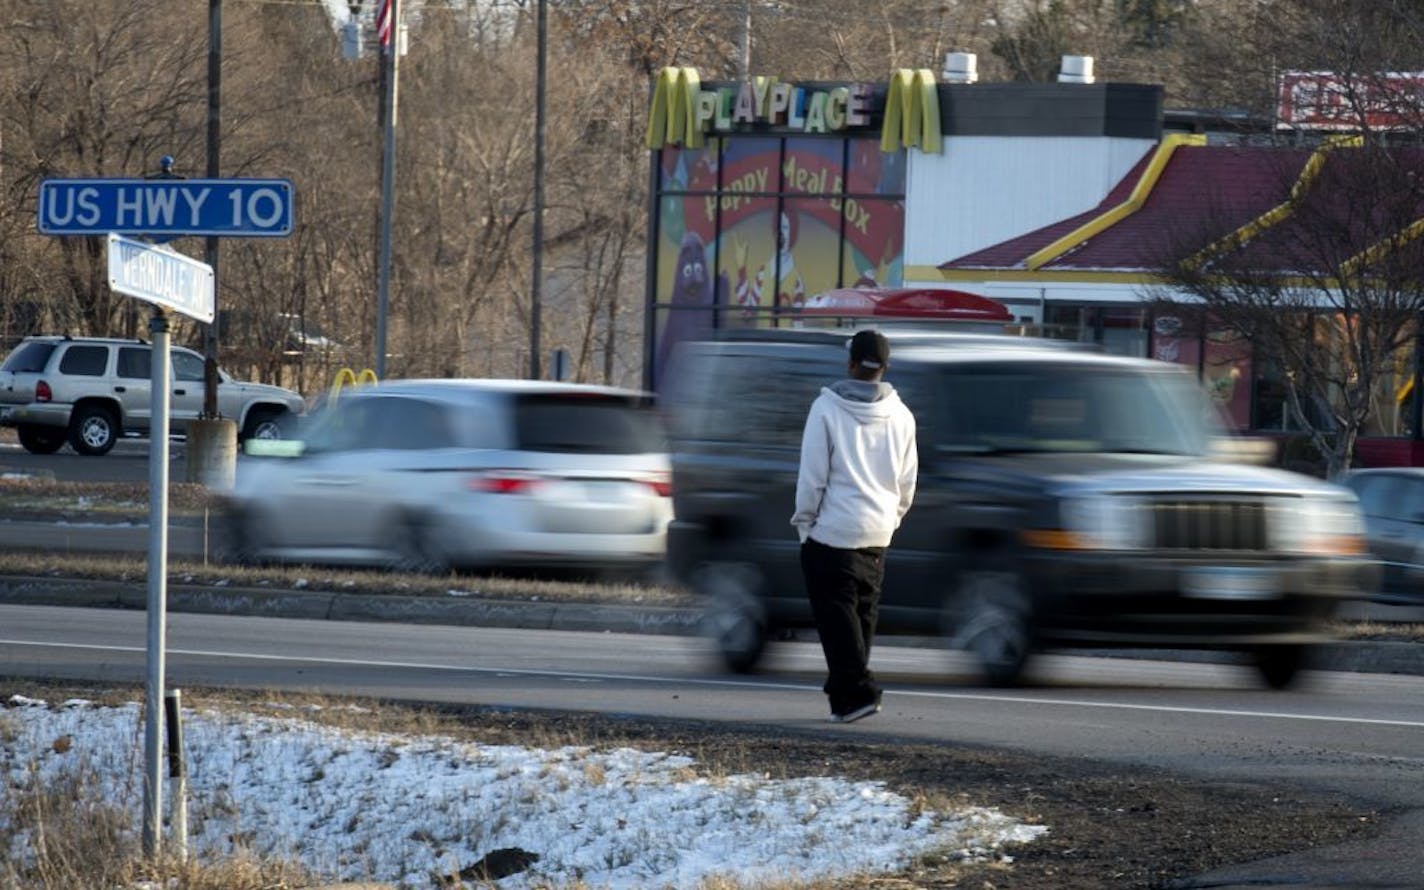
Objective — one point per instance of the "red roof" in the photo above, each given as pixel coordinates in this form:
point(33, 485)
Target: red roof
point(1204, 194)
point(1353, 207)
point(907, 302)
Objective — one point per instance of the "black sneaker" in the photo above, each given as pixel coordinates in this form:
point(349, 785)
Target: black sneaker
point(859, 713)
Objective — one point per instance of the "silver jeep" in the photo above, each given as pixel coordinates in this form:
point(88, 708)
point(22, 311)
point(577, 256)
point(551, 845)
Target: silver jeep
point(89, 391)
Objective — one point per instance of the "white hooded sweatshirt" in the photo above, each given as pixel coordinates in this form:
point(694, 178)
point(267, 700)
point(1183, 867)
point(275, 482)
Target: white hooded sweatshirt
point(858, 466)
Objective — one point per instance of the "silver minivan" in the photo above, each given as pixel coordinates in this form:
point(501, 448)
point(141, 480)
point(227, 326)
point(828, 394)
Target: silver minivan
point(431, 474)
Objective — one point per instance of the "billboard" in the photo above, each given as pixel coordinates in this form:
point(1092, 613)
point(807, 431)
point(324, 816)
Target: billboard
point(1326, 100)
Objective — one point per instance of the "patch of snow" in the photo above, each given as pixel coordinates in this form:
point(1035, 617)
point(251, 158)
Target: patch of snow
point(401, 808)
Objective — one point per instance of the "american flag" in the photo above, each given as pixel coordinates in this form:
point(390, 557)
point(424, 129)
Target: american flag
point(383, 24)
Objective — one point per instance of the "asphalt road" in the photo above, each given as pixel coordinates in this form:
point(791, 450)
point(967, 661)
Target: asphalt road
point(1353, 734)
point(127, 462)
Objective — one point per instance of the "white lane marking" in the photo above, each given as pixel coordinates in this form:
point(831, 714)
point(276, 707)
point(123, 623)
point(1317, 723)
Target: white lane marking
point(735, 684)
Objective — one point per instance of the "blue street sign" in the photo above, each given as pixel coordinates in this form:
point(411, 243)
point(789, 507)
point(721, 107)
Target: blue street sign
point(158, 207)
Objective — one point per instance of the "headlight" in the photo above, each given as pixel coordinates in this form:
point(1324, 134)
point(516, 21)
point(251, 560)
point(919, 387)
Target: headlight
point(1316, 526)
point(1097, 522)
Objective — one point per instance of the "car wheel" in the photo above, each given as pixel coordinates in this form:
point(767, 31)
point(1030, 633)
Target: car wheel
point(40, 439)
point(1280, 666)
point(990, 618)
point(733, 618)
point(93, 430)
point(265, 423)
point(416, 552)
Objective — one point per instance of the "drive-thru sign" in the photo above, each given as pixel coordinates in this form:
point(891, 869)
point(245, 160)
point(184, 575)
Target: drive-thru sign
point(162, 276)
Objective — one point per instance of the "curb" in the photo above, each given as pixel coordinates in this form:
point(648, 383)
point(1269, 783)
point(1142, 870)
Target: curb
point(1379, 657)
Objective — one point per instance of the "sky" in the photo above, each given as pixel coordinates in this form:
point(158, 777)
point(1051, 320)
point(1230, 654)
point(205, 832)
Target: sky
point(400, 808)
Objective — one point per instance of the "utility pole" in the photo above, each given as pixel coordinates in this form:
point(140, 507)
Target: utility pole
point(210, 252)
point(212, 440)
point(535, 296)
point(744, 58)
point(390, 67)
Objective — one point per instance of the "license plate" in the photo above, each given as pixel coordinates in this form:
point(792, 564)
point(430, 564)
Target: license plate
point(1230, 583)
point(602, 492)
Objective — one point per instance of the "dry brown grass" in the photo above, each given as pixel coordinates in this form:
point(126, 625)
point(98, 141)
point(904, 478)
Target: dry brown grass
point(133, 569)
point(45, 496)
point(1381, 631)
point(79, 839)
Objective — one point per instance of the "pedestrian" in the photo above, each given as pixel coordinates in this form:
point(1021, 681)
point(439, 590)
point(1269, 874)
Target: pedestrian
point(857, 479)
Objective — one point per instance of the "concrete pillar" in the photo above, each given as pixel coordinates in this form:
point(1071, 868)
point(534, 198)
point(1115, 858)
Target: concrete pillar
point(212, 453)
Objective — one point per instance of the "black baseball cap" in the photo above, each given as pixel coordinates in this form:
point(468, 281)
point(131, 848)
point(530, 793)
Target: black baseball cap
point(869, 349)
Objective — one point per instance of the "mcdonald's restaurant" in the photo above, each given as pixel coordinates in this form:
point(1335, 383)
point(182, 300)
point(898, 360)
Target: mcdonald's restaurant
point(1046, 198)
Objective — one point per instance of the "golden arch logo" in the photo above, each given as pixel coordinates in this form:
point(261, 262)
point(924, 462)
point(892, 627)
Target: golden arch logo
point(912, 113)
point(347, 377)
point(674, 118)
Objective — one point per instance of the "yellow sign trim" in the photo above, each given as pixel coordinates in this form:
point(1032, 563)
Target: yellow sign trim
point(1276, 215)
point(1145, 183)
point(1376, 252)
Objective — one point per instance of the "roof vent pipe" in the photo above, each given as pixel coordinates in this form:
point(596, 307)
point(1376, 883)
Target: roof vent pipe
point(960, 68)
point(1076, 69)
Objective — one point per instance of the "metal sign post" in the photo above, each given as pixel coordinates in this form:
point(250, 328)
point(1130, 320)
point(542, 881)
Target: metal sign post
point(157, 585)
point(167, 279)
point(158, 209)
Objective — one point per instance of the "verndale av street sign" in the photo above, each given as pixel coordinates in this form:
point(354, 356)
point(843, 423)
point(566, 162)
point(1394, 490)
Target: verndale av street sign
point(166, 207)
point(161, 276)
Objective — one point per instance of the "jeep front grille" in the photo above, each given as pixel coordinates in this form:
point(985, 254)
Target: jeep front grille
point(1208, 525)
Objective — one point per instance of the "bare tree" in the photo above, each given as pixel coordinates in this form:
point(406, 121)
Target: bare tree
point(93, 89)
point(1330, 295)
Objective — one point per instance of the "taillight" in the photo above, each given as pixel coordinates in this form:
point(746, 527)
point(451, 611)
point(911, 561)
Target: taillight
point(663, 487)
point(42, 392)
point(504, 483)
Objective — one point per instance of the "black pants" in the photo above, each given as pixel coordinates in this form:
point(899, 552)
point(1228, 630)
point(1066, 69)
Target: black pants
point(844, 587)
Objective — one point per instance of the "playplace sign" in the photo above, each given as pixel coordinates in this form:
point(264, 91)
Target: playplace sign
point(684, 111)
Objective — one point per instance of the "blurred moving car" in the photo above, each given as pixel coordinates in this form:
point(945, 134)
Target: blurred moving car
point(1392, 500)
point(89, 391)
point(1065, 499)
point(425, 475)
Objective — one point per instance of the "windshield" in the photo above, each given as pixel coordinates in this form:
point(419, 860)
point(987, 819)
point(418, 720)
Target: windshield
point(1055, 408)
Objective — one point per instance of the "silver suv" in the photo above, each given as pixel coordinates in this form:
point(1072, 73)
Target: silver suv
point(88, 391)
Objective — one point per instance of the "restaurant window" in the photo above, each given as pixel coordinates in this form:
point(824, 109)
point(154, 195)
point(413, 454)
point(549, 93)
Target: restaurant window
point(1120, 330)
point(770, 221)
point(1395, 390)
